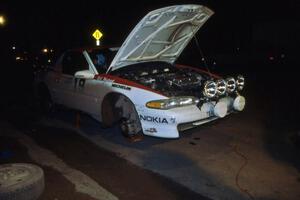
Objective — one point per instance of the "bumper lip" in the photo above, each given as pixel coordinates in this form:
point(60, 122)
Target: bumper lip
point(189, 125)
point(193, 124)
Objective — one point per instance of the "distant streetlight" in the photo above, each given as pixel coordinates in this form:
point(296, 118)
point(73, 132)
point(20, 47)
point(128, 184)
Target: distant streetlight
point(2, 20)
point(45, 50)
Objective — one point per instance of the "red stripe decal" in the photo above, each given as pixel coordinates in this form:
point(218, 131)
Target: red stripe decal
point(126, 82)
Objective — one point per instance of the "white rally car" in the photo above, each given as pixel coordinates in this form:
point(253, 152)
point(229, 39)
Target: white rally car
point(138, 86)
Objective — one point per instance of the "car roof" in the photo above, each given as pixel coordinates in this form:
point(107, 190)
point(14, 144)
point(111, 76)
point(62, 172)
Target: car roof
point(81, 49)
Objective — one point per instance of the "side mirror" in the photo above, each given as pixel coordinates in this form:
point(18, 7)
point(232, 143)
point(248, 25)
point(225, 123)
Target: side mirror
point(84, 74)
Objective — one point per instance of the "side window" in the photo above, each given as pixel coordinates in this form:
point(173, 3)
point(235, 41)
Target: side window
point(99, 61)
point(73, 62)
point(102, 58)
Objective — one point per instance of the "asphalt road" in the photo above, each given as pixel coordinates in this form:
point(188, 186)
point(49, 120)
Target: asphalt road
point(77, 169)
point(243, 156)
point(248, 155)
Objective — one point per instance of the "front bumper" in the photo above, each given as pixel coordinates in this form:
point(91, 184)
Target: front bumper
point(168, 123)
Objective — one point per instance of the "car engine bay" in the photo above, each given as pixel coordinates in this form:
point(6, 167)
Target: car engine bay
point(166, 78)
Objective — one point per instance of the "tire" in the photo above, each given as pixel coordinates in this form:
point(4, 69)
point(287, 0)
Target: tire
point(21, 181)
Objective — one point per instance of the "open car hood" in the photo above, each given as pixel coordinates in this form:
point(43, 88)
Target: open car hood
point(161, 35)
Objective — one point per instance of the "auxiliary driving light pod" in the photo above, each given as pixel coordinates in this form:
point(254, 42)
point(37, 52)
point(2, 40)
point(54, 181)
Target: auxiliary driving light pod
point(221, 87)
point(240, 82)
point(239, 103)
point(220, 109)
point(210, 89)
point(231, 85)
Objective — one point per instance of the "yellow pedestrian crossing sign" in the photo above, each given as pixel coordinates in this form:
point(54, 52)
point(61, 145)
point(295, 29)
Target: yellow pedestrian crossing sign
point(97, 34)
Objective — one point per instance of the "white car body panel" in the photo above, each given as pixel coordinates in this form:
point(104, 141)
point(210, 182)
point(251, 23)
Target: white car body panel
point(149, 41)
point(161, 35)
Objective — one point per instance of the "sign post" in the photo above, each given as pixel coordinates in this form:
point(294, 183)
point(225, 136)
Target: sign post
point(97, 35)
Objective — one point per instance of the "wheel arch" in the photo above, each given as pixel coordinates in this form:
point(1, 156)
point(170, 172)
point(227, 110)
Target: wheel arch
point(110, 100)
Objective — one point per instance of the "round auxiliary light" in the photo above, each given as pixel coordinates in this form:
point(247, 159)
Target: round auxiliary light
point(240, 82)
point(220, 109)
point(231, 85)
point(210, 89)
point(239, 103)
point(221, 87)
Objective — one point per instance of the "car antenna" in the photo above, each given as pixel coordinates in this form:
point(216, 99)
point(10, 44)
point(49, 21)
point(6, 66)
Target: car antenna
point(202, 55)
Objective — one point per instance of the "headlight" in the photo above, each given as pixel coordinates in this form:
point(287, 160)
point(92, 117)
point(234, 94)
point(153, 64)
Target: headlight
point(172, 102)
point(210, 89)
point(221, 87)
point(240, 82)
point(230, 85)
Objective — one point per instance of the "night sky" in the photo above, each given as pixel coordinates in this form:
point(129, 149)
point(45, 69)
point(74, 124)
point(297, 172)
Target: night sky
point(71, 23)
point(67, 24)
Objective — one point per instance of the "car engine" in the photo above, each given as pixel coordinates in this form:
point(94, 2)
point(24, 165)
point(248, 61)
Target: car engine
point(166, 78)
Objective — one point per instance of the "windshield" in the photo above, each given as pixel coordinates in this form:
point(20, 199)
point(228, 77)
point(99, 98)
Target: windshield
point(102, 58)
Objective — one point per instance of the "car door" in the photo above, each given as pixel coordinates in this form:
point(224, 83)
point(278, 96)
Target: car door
point(72, 62)
point(89, 92)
